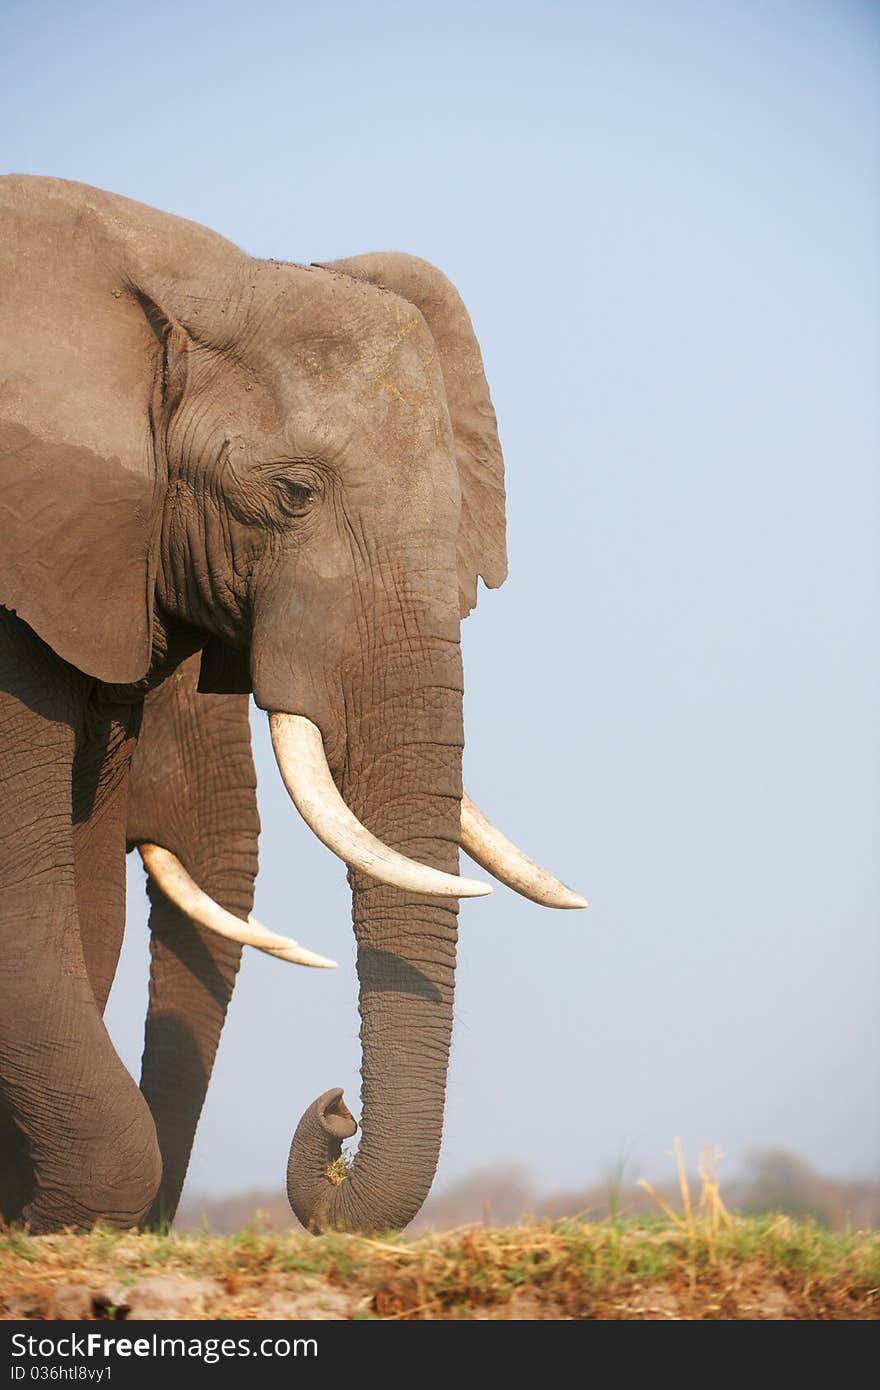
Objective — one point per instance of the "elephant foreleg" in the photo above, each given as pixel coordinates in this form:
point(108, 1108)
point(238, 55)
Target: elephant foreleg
point(88, 1133)
point(103, 752)
point(193, 790)
point(192, 976)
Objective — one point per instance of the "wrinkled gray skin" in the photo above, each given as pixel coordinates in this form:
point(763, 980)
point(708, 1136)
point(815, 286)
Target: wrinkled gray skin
point(257, 476)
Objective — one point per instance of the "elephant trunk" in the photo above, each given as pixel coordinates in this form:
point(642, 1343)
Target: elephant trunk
point(406, 996)
point(403, 780)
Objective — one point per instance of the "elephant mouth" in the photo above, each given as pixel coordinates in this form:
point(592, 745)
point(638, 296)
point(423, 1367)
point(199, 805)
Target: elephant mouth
point(302, 762)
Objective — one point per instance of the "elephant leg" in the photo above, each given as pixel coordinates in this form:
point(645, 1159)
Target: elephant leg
point(193, 790)
point(16, 1172)
point(89, 1136)
point(192, 976)
point(103, 753)
point(100, 804)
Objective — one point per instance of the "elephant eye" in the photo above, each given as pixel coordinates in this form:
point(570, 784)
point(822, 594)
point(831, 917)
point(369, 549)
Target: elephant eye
point(297, 497)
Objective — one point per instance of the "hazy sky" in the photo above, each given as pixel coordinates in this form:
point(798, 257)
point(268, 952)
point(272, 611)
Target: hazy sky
point(664, 220)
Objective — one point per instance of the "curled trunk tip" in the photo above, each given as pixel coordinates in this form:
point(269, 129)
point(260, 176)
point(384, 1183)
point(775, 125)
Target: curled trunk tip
point(315, 1151)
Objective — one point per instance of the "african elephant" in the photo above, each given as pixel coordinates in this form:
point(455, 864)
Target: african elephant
point(222, 476)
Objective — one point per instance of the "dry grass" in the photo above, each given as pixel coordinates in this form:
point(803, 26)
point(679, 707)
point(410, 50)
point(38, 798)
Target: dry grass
point(676, 1267)
point(699, 1263)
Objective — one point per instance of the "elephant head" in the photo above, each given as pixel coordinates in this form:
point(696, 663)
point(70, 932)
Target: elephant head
point(296, 468)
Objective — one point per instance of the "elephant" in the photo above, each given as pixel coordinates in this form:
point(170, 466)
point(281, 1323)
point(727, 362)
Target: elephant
point(224, 477)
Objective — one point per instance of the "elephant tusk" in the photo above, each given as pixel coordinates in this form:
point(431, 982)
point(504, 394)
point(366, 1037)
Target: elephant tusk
point(183, 891)
point(299, 749)
point(485, 843)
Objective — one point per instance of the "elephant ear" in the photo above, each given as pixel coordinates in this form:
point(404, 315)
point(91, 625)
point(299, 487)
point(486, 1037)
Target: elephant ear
point(82, 477)
point(482, 547)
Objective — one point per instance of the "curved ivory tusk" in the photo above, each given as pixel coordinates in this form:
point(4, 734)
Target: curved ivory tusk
point(494, 852)
point(299, 749)
point(185, 893)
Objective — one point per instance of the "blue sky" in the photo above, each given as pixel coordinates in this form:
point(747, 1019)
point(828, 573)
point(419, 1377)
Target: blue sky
point(664, 221)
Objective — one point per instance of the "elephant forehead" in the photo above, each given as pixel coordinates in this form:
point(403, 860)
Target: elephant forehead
point(387, 428)
point(343, 332)
point(344, 366)
point(393, 405)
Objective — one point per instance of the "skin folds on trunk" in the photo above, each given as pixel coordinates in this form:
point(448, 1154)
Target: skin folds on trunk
point(403, 780)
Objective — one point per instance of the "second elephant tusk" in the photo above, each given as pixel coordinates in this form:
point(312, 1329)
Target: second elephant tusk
point(299, 749)
point(485, 843)
point(183, 891)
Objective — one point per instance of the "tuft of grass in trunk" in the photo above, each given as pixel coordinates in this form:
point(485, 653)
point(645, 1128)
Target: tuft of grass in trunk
point(337, 1171)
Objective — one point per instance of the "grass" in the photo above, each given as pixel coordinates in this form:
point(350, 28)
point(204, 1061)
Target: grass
point(697, 1263)
point(749, 1267)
